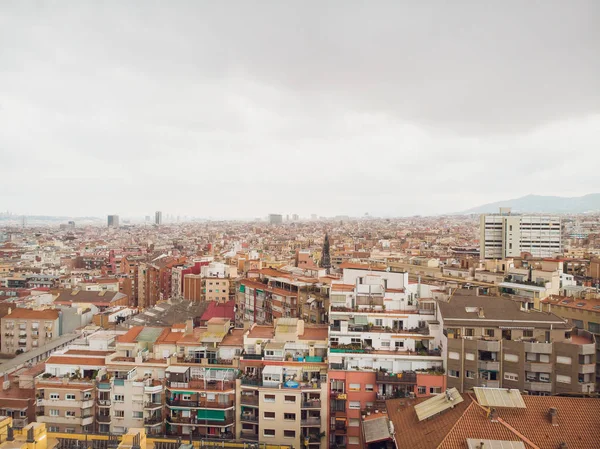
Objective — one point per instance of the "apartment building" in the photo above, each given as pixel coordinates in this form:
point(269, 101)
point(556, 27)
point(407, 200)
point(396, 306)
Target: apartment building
point(268, 294)
point(504, 235)
point(382, 346)
point(499, 343)
point(66, 391)
point(27, 329)
point(283, 389)
point(582, 314)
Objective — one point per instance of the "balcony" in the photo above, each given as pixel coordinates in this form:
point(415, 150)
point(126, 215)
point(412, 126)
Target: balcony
point(314, 403)
point(249, 436)
point(535, 367)
point(152, 405)
point(198, 384)
point(545, 387)
point(587, 387)
point(19, 423)
point(104, 418)
point(72, 420)
point(538, 348)
point(153, 420)
point(488, 345)
point(588, 368)
point(587, 349)
point(311, 422)
point(249, 417)
point(405, 377)
point(489, 365)
point(248, 400)
point(103, 402)
point(200, 404)
point(200, 422)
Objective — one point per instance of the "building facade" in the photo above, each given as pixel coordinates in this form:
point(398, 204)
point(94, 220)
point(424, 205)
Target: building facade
point(504, 235)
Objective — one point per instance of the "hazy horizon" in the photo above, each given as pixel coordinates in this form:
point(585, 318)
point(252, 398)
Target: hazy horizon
point(240, 109)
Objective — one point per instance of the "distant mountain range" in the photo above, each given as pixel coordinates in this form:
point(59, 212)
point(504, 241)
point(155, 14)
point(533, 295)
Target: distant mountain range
point(543, 204)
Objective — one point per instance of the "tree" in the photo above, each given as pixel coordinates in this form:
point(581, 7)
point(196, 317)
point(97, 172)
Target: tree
point(325, 256)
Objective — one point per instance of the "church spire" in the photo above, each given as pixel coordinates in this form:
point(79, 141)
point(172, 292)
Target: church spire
point(325, 256)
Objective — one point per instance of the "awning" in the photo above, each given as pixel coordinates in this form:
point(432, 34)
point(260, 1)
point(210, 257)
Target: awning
point(311, 369)
point(361, 319)
point(376, 430)
point(339, 317)
point(272, 369)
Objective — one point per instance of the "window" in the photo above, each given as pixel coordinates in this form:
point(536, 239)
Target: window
point(54, 412)
point(119, 398)
point(379, 322)
point(355, 405)
point(528, 333)
point(490, 333)
point(544, 358)
point(87, 395)
point(269, 415)
point(512, 357)
point(369, 387)
point(69, 430)
point(470, 374)
point(70, 413)
point(269, 432)
point(354, 422)
point(290, 399)
point(355, 341)
point(54, 396)
point(470, 332)
point(186, 397)
point(578, 323)
point(454, 355)
point(289, 416)
point(435, 390)
point(354, 387)
point(421, 389)
point(399, 344)
point(353, 440)
point(594, 327)
point(544, 377)
point(563, 360)
point(289, 434)
point(511, 376)
point(453, 373)
point(53, 429)
point(137, 415)
point(469, 356)
point(70, 397)
point(563, 379)
point(269, 398)
point(385, 344)
point(120, 413)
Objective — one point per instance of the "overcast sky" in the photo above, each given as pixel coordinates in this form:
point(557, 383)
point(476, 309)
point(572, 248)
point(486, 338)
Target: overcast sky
point(238, 109)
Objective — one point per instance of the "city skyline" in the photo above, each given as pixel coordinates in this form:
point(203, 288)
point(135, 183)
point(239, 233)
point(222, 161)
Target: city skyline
point(414, 113)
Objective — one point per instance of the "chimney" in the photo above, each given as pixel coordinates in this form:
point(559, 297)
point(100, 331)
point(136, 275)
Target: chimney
point(494, 415)
point(554, 416)
point(563, 445)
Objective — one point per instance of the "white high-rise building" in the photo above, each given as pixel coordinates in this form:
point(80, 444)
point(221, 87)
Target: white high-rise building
point(504, 235)
point(158, 218)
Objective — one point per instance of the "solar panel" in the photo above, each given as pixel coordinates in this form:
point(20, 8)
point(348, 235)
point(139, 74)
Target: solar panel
point(438, 404)
point(499, 397)
point(596, 307)
point(580, 304)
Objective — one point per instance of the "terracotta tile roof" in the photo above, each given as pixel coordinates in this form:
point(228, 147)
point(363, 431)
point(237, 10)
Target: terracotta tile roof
point(131, 335)
point(342, 287)
point(360, 266)
point(317, 332)
point(261, 332)
point(65, 360)
point(30, 314)
point(578, 424)
point(591, 305)
point(422, 435)
point(235, 338)
point(221, 310)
